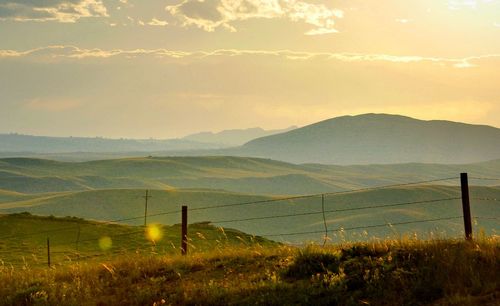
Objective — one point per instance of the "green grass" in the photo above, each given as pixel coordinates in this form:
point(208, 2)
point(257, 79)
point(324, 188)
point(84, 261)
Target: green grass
point(409, 272)
point(236, 174)
point(23, 241)
point(115, 204)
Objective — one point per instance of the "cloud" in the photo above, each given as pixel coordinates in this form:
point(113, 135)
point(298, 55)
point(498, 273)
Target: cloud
point(73, 52)
point(51, 10)
point(157, 22)
point(212, 14)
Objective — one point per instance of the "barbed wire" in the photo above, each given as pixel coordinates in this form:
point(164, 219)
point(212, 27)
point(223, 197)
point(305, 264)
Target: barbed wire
point(336, 210)
point(484, 178)
point(487, 218)
point(235, 204)
point(486, 199)
point(320, 194)
point(362, 227)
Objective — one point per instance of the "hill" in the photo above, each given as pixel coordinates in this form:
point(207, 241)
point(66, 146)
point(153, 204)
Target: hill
point(233, 138)
point(85, 148)
point(410, 272)
point(424, 210)
point(235, 174)
point(379, 138)
point(24, 239)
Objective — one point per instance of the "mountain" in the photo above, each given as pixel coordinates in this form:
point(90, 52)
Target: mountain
point(379, 138)
point(234, 138)
point(86, 148)
point(45, 145)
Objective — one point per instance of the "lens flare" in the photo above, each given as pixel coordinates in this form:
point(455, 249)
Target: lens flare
point(105, 243)
point(154, 232)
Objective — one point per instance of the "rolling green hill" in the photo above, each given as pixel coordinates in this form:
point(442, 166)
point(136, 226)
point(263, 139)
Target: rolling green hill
point(24, 239)
point(236, 174)
point(271, 218)
point(114, 189)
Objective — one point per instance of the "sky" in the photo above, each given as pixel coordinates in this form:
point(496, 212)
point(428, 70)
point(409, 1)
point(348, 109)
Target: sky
point(167, 68)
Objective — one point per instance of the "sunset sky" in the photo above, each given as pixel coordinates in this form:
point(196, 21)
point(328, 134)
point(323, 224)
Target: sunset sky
point(167, 68)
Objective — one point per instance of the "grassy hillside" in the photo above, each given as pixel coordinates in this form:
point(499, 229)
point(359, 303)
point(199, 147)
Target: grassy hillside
point(237, 174)
point(410, 272)
point(24, 237)
point(384, 207)
point(380, 138)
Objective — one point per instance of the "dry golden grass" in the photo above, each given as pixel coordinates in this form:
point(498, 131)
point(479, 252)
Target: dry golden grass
point(408, 272)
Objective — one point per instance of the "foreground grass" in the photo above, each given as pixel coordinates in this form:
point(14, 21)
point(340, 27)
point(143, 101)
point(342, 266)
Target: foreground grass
point(411, 272)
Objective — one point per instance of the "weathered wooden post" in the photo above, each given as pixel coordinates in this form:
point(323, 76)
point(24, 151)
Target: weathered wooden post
point(184, 231)
point(146, 197)
point(464, 182)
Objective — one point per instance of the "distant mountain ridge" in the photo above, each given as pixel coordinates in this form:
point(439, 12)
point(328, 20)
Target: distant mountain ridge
point(380, 139)
point(236, 137)
point(46, 144)
point(19, 143)
point(348, 140)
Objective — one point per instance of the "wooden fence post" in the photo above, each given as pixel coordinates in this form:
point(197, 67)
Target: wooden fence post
point(464, 181)
point(146, 197)
point(48, 252)
point(184, 231)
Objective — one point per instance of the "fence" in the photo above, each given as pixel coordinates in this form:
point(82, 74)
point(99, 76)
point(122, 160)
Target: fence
point(314, 223)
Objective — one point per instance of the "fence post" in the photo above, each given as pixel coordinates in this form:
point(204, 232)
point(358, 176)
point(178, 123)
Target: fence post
point(464, 182)
point(48, 252)
point(325, 238)
point(184, 231)
point(146, 197)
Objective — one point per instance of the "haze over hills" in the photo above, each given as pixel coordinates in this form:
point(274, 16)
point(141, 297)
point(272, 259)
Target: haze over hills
point(380, 138)
point(44, 144)
point(24, 144)
point(233, 138)
point(347, 140)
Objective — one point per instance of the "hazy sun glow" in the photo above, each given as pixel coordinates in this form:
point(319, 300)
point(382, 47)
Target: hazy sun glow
point(105, 243)
point(154, 232)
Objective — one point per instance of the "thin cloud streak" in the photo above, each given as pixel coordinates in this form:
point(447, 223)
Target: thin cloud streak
point(73, 52)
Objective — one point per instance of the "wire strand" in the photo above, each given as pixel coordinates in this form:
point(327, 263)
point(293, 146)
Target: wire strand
point(362, 227)
point(335, 210)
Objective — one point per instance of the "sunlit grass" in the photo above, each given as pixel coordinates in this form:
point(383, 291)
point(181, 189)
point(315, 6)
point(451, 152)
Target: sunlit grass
point(406, 271)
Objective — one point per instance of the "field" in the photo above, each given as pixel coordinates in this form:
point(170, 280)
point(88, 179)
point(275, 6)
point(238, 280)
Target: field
point(260, 232)
point(24, 240)
point(234, 174)
point(409, 272)
point(271, 217)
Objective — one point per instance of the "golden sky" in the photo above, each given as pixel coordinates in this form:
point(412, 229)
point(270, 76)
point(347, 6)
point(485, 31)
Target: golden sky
point(165, 68)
